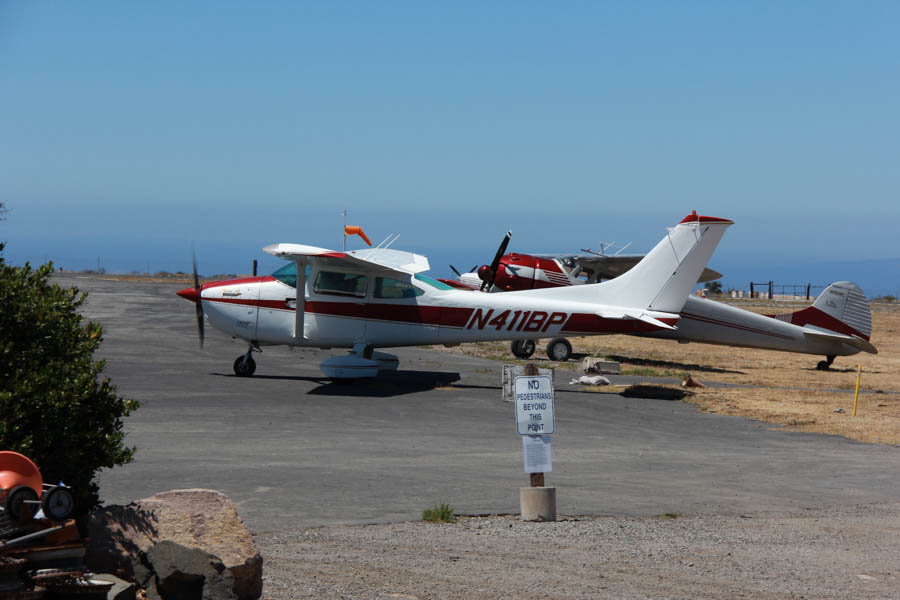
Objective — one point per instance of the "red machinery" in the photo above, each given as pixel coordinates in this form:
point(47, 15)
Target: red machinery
point(23, 491)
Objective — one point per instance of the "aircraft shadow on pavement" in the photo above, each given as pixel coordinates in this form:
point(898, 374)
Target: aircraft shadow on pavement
point(665, 364)
point(387, 384)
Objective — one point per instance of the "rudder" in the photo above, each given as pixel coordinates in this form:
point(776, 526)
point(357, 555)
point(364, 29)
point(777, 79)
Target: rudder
point(841, 307)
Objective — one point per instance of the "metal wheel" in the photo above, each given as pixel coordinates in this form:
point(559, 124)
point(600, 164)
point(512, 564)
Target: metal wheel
point(523, 348)
point(244, 366)
point(559, 349)
point(58, 503)
point(21, 503)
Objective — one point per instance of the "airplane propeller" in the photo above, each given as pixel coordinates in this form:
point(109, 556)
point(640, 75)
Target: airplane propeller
point(458, 274)
point(197, 289)
point(488, 273)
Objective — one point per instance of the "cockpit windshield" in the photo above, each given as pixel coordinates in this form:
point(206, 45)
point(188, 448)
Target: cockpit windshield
point(432, 282)
point(288, 274)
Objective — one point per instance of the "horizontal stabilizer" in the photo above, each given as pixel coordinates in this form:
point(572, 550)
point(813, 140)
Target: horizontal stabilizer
point(850, 340)
point(639, 316)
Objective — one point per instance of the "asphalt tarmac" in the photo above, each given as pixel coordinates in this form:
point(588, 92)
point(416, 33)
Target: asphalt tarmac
point(294, 450)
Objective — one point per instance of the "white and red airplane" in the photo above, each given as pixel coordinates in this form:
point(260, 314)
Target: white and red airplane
point(839, 323)
point(378, 298)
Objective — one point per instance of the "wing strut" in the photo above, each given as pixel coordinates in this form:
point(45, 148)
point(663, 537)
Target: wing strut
point(300, 302)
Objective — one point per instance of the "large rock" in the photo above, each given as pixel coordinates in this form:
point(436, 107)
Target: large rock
point(182, 573)
point(207, 520)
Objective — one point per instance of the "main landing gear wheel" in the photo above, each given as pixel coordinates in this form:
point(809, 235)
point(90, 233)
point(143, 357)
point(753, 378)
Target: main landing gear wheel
point(244, 366)
point(559, 349)
point(523, 348)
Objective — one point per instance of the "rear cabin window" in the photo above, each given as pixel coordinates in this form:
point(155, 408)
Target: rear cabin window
point(386, 287)
point(342, 284)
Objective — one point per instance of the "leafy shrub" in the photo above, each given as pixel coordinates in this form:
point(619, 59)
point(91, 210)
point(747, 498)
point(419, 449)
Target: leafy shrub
point(54, 407)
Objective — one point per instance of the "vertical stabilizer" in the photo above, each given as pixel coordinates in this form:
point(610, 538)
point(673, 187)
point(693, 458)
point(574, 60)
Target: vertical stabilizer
point(665, 276)
point(841, 307)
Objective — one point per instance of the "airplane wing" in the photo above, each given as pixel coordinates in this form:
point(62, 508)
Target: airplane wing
point(850, 340)
point(367, 260)
point(603, 266)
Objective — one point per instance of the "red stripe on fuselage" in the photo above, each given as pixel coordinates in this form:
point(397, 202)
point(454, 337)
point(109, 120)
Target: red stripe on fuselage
point(398, 313)
point(245, 280)
point(717, 322)
point(818, 318)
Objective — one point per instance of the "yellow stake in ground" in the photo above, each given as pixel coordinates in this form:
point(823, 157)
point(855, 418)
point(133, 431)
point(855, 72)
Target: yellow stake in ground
point(856, 397)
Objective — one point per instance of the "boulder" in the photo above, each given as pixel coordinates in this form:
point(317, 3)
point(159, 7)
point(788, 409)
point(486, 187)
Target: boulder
point(182, 573)
point(205, 520)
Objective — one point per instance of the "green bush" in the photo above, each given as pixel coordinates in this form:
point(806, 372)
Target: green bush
point(442, 513)
point(54, 406)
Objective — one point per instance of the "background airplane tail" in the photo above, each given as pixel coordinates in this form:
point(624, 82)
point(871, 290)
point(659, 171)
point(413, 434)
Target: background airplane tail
point(665, 277)
point(841, 307)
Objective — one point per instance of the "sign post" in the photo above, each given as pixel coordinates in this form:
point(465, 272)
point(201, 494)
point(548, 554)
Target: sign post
point(535, 421)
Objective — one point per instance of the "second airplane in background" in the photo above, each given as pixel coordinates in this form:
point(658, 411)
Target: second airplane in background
point(839, 323)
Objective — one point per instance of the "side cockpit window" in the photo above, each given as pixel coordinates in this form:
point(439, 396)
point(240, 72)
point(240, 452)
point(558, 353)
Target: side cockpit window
point(343, 284)
point(385, 287)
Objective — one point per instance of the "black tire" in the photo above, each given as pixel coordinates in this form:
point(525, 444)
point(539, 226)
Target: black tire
point(523, 348)
point(58, 503)
point(822, 366)
point(559, 349)
point(244, 369)
point(20, 503)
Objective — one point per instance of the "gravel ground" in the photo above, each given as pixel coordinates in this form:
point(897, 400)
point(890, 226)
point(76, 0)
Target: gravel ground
point(847, 552)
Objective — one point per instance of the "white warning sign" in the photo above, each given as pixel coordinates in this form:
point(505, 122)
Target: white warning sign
point(534, 405)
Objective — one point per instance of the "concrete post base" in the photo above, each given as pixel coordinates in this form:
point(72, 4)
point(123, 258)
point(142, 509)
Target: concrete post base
point(538, 503)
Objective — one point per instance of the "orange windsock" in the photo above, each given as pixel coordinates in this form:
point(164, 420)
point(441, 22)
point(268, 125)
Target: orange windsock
point(351, 229)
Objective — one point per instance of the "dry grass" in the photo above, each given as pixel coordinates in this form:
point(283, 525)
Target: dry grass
point(787, 389)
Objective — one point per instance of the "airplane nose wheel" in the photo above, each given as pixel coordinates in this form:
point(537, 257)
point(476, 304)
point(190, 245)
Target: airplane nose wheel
point(244, 365)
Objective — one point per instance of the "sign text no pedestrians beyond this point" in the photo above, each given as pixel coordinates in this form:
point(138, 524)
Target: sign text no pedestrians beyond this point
point(534, 405)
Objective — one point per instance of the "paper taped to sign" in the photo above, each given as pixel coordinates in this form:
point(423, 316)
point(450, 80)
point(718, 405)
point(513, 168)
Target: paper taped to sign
point(536, 451)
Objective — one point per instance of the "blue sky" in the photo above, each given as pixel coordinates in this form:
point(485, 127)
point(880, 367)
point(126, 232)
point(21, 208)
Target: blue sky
point(132, 130)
